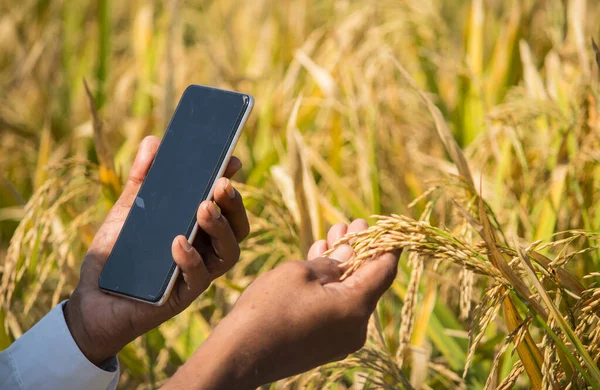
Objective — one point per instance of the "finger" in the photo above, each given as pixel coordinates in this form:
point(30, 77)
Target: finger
point(336, 232)
point(195, 275)
point(342, 253)
point(371, 280)
point(233, 166)
point(232, 207)
point(325, 270)
point(224, 242)
point(317, 249)
point(139, 169)
point(358, 225)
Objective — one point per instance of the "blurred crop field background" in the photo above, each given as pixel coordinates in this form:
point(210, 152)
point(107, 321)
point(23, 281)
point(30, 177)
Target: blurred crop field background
point(472, 127)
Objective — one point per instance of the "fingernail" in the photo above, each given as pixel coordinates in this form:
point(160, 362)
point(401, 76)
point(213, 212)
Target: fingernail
point(185, 245)
point(229, 189)
point(212, 209)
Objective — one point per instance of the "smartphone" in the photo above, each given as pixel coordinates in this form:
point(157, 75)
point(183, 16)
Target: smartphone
point(193, 154)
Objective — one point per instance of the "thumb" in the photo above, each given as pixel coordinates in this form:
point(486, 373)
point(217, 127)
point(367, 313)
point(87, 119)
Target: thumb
point(139, 169)
point(374, 278)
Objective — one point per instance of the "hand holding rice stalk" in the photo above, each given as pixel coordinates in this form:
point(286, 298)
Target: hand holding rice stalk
point(570, 346)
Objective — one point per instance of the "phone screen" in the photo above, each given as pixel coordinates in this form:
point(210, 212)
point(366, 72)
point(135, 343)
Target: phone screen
point(189, 158)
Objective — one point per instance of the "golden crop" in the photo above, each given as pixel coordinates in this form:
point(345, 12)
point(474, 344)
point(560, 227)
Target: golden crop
point(468, 129)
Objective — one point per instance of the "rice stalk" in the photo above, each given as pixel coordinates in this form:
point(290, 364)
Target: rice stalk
point(594, 372)
point(515, 337)
point(409, 308)
point(510, 380)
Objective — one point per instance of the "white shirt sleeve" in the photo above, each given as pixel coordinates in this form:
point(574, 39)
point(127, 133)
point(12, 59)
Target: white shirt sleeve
point(47, 357)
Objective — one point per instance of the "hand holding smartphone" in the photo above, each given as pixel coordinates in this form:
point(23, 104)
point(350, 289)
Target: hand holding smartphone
point(193, 154)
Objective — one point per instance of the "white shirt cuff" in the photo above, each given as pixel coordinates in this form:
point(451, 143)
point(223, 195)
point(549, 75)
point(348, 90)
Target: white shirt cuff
point(47, 357)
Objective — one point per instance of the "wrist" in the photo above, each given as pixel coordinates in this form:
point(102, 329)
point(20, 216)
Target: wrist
point(75, 323)
point(223, 361)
